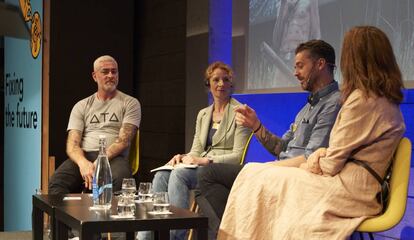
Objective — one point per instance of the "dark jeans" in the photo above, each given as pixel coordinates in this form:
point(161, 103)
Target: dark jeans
point(67, 177)
point(215, 182)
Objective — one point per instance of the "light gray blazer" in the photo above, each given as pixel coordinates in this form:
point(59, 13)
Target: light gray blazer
point(229, 140)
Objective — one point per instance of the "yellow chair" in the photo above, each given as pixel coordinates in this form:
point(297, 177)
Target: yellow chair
point(398, 193)
point(134, 154)
point(246, 147)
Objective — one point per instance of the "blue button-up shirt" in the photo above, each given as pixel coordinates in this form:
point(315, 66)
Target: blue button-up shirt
point(313, 124)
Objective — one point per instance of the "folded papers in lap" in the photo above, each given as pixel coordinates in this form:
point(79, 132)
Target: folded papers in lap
point(170, 167)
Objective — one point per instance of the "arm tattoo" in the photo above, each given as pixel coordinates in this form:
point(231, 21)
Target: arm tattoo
point(74, 140)
point(73, 145)
point(123, 140)
point(126, 133)
point(270, 141)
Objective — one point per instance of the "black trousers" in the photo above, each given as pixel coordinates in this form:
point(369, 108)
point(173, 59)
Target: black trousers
point(215, 182)
point(67, 177)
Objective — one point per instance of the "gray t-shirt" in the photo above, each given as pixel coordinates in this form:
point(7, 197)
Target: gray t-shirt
point(94, 117)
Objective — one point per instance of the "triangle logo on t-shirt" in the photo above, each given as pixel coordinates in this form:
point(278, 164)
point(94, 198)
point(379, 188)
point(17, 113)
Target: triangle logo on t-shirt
point(114, 118)
point(94, 119)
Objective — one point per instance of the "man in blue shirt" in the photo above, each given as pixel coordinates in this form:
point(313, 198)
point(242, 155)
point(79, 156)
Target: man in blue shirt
point(314, 67)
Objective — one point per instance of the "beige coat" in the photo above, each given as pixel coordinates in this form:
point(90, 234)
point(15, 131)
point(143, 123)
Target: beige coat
point(227, 143)
point(270, 202)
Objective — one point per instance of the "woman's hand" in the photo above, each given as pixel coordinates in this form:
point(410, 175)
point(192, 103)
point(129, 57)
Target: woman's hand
point(189, 159)
point(312, 164)
point(195, 160)
point(176, 159)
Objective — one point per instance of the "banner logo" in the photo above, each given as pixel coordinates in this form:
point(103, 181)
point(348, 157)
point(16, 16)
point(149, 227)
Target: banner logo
point(35, 26)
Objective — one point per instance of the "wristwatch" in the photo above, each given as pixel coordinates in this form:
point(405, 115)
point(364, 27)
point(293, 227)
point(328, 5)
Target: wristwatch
point(210, 159)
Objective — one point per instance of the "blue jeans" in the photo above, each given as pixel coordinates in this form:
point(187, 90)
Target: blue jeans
point(178, 184)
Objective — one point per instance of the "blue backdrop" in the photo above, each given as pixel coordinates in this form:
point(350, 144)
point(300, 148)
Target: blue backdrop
point(22, 130)
point(278, 110)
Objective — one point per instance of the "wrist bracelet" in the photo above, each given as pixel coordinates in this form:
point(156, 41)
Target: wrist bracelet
point(258, 128)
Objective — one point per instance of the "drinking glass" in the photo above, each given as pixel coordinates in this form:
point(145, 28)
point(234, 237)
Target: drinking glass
point(128, 186)
point(145, 191)
point(126, 205)
point(161, 203)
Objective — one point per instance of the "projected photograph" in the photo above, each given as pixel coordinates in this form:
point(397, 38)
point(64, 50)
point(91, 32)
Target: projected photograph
point(276, 27)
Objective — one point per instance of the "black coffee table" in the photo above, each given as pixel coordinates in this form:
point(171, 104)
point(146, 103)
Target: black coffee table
point(75, 214)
